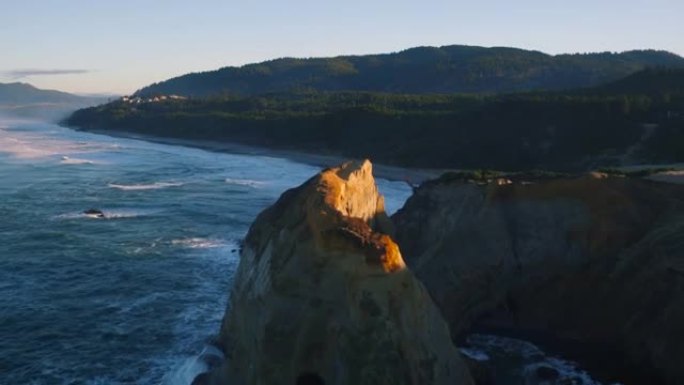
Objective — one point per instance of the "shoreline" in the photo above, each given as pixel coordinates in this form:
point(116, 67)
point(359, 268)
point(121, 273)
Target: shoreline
point(412, 176)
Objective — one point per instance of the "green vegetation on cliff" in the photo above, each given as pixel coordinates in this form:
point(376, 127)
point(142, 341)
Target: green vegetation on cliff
point(421, 70)
point(640, 117)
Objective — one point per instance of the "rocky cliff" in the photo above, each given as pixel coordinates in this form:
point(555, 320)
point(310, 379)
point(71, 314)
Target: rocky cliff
point(593, 260)
point(322, 296)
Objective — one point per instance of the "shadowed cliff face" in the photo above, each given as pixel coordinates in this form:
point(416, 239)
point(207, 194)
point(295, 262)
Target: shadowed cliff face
point(592, 260)
point(322, 294)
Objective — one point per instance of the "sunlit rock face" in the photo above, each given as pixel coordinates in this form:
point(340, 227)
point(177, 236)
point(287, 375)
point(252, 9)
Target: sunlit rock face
point(322, 295)
point(596, 260)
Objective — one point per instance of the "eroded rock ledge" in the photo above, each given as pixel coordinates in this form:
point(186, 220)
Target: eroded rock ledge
point(322, 294)
point(596, 260)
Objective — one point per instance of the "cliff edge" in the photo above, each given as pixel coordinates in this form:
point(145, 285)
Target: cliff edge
point(322, 296)
point(595, 261)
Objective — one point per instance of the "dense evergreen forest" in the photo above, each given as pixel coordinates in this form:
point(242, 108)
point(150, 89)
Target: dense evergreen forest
point(639, 118)
point(421, 70)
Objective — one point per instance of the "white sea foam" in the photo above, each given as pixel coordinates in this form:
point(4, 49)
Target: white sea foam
point(504, 344)
point(141, 302)
point(191, 367)
point(124, 214)
point(484, 347)
point(22, 149)
point(149, 186)
point(186, 372)
point(567, 372)
point(67, 160)
point(108, 214)
point(200, 243)
point(475, 354)
point(246, 182)
point(37, 145)
point(74, 216)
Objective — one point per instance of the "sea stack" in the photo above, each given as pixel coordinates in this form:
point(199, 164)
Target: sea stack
point(322, 296)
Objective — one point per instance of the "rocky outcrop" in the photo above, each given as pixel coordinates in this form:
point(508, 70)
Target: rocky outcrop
point(595, 260)
point(322, 296)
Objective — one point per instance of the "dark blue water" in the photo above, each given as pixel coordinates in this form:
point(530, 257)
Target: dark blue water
point(128, 298)
point(132, 298)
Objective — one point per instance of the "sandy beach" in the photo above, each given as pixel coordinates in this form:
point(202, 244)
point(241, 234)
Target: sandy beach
point(413, 176)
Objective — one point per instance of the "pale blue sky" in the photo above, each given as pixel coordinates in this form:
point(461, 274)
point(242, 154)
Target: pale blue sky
point(120, 46)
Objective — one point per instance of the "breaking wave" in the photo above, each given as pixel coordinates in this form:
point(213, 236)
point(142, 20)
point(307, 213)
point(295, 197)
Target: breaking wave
point(107, 214)
point(245, 182)
point(67, 160)
point(200, 243)
point(150, 186)
point(530, 361)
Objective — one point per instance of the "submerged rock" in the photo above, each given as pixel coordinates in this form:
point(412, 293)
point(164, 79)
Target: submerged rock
point(322, 296)
point(595, 260)
point(94, 213)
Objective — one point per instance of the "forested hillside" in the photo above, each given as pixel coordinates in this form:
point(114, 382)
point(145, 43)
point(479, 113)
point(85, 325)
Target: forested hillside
point(422, 70)
point(640, 118)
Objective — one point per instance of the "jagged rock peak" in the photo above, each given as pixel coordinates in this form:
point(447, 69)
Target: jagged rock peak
point(351, 190)
point(322, 294)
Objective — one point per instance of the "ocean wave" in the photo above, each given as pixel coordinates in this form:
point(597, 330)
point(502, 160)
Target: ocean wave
point(113, 214)
point(127, 307)
point(475, 354)
point(245, 182)
point(67, 160)
point(150, 186)
point(568, 372)
point(45, 144)
point(191, 367)
point(482, 347)
point(124, 214)
point(200, 243)
point(22, 149)
point(505, 345)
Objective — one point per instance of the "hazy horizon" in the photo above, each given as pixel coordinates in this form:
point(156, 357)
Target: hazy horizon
point(81, 47)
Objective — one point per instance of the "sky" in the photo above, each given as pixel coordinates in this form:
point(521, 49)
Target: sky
point(99, 46)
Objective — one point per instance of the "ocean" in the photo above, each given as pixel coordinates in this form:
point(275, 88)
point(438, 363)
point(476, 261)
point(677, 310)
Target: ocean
point(133, 298)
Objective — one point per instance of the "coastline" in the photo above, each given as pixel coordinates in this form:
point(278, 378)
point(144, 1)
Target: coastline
point(412, 176)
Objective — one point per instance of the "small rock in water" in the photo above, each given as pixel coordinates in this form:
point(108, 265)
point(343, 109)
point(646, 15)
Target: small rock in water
point(94, 213)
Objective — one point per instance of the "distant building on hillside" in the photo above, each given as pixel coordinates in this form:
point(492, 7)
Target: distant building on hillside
point(160, 98)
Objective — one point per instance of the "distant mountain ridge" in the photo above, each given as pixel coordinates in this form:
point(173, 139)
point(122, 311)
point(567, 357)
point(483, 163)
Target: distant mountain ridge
point(25, 100)
point(24, 93)
point(447, 69)
point(652, 81)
